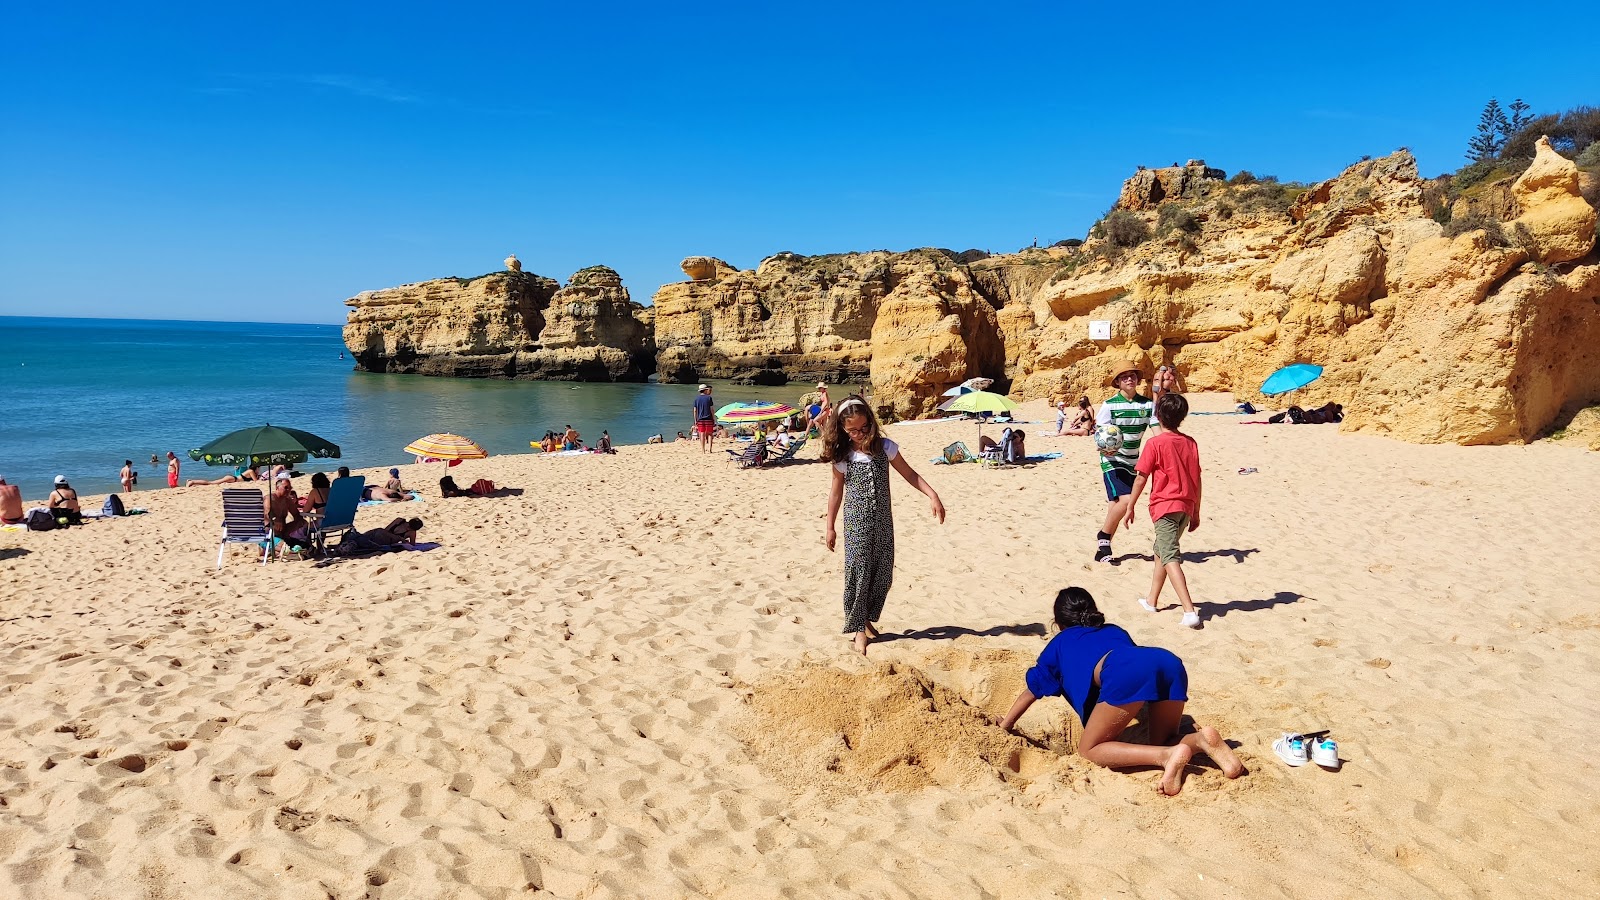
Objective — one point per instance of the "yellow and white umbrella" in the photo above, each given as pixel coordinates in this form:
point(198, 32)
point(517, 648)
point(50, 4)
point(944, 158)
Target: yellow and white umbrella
point(445, 446)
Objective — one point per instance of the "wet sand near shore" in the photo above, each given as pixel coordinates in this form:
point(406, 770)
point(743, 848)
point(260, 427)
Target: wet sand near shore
point(628, 681)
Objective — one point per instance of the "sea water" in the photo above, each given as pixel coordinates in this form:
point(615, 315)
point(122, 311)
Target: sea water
point(79, 396)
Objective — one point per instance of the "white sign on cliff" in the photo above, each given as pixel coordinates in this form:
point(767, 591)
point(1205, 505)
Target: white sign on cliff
point(1099, 331)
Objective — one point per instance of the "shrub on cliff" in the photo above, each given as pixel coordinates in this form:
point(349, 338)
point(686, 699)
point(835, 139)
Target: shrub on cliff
point(1124, 229)
point(1269, 195)
point(1571, 133)
point(1460, 225)
point(1171, 217)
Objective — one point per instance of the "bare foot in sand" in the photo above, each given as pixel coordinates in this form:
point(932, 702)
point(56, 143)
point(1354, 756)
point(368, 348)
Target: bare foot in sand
point(1208, 741)
point(861, 642)
point(1172, 774)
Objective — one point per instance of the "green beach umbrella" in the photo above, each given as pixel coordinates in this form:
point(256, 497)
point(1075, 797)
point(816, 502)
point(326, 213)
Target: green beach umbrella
point(979, 402)
point(265, 445)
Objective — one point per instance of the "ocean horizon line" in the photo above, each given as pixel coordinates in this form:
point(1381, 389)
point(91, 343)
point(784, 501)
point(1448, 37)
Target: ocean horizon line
point(5, 316)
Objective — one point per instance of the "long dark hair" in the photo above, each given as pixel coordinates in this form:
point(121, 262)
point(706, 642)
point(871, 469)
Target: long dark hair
point(836, 445)
point(1075, 607)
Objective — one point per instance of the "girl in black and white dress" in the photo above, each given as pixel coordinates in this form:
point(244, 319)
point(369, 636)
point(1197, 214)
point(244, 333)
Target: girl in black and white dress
point(861, 459)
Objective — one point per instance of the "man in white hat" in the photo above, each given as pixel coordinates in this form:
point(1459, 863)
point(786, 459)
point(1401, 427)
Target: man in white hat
point(705, 419)
point(1132, 413)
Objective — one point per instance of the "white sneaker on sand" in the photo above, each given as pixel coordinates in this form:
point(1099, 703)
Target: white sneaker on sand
point(1191, 620)
point(1325, 753)
point(1146, 604)
point(1291, 748)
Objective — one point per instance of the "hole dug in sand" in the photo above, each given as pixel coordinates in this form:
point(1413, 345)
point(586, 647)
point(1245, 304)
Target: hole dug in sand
point(891, 728)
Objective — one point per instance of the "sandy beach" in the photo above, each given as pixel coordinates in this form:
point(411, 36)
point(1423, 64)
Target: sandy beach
point(628, 681)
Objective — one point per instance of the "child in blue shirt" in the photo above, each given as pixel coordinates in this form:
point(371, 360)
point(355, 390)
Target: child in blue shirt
point(1107, 678)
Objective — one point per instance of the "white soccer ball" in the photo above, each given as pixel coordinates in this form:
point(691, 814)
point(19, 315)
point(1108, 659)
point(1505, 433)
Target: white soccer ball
point(1108, 438)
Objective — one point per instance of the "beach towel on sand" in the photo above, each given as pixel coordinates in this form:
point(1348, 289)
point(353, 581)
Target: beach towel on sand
point(415, 499)
point(1043, 457)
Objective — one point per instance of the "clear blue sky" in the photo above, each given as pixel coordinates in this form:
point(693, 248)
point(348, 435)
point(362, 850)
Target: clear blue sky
point(264, 162)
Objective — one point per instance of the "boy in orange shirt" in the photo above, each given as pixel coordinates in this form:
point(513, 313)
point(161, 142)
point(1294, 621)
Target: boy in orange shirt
point(1170, 463)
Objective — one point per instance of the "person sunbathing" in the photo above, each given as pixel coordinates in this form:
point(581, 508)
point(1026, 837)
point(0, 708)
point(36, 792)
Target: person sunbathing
point(10, 503)
point(316, 499)
point(1014, 436)
point(399, 531)
point(63, 497)
point(243, 473)
point(1082, 421)
point(392, 490)
point(283, 513)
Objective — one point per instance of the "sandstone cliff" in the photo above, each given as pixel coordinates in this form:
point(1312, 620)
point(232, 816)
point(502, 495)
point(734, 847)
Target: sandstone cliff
point(896, 318)
point(509, 324)
point(1484, 337)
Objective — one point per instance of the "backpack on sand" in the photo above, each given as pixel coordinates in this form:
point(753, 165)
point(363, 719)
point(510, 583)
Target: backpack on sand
point(113, 506)
point(40, 520)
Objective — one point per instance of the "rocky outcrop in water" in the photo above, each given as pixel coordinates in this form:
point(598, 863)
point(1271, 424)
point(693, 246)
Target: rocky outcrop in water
point(504, 325)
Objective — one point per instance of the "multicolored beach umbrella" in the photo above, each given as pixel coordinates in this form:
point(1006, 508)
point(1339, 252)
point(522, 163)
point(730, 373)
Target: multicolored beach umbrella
point(736, 413)
point(265, 445)
point(443, 446)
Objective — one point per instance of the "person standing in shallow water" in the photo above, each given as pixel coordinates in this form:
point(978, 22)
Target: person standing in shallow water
point(705, 424)
point(861, 459)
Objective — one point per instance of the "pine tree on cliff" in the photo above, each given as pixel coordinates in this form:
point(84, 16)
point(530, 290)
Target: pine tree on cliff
point(1519, 117)
point(1492, 130)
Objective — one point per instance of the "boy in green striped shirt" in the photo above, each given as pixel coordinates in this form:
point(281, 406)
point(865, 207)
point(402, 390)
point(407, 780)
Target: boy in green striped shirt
point(1132, 413)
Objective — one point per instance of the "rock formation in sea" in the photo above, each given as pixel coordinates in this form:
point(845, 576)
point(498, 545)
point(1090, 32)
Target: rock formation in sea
point(508, 324)
point(1484, 336)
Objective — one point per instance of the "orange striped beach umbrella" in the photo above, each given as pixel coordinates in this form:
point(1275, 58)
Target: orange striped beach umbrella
point(445, 446)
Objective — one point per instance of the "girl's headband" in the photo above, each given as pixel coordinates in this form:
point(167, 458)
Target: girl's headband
point(849, 403)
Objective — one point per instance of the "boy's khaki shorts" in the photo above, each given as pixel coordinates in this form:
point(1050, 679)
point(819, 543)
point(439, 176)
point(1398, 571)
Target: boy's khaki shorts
point(1169, 528)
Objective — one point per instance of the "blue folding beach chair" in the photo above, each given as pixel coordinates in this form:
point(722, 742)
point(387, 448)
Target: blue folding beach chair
point(244, 520)
point(339, 516)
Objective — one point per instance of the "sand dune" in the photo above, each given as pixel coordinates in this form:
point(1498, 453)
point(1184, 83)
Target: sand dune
point(628, 681)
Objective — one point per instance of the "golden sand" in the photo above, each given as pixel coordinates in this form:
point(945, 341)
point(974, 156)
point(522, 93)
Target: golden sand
point(628, 681)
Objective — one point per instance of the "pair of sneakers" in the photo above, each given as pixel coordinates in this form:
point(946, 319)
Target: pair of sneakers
point(1296, 749)
point(1191, 619)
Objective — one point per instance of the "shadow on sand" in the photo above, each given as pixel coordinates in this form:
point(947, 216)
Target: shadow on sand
point(1199, 556)
point(1218, 610)
point(951, 632)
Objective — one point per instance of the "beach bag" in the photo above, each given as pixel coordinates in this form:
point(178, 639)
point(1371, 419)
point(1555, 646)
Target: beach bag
point(40, 520)
point(956, 453)
point(483, 487)
point(113, 506)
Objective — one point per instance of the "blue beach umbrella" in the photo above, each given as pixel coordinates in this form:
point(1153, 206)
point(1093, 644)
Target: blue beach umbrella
point(1290, 378)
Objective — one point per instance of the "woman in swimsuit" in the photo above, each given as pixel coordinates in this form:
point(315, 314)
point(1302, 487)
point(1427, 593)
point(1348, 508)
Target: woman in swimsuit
point(63, 497)
point(1107, 678)
point(317, 498)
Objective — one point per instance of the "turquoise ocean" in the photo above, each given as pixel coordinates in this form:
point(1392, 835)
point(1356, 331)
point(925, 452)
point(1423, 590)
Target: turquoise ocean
point(78, 396)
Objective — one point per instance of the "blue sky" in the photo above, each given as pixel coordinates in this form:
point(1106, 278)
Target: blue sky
point(222, 161)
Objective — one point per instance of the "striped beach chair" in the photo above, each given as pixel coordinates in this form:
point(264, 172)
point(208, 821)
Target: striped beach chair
point(244, 520)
